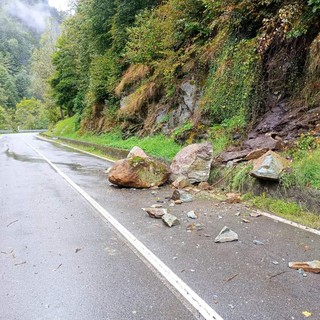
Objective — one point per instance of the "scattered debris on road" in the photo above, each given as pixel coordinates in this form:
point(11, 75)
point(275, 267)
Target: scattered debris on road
point(226, 235)
point(20, 263)
point(156, 213)
point(170, 220)
point(181, 195)
point(255, 214)
point(195, 227)
point(258, 243)
point(192, 215)
point(308, 266)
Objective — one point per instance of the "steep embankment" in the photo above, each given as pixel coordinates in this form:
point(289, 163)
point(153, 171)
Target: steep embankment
point(191, 68)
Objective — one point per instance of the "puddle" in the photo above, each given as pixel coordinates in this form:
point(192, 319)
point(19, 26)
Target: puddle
point(19, 157)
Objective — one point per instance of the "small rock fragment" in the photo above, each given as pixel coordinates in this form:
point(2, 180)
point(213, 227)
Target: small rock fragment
point(233, 198)
point(156, 206)
point(178, 202)
point(258, 243)
point(181, 182)
point(308, 266)
point(245, 220)
point(170, 220)
point(204, 186)
point(195, 226)
point(226, 235)
point(255, 214)
point(275, 263)
point(238, 214)
point(182, 196)
point(155, 212)
point(192, 215)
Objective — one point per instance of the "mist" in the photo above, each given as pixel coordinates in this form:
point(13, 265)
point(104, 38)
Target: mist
point(34, 16)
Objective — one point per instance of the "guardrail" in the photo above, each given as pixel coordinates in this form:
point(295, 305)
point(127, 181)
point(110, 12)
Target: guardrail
point(23, 131)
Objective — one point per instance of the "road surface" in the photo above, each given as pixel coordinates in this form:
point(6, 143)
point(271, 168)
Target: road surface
point(62, 259)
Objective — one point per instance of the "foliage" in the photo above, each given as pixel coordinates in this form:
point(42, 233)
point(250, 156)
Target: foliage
point(231, 81)
point(31, 114)
point(168, 149)
point(305, 171)
point(287, 210)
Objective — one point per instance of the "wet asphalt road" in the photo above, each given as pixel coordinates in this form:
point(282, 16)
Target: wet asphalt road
point(60, 259)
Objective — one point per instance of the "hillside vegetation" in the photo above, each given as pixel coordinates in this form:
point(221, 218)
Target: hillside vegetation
point(190, 69)
point(27, 32)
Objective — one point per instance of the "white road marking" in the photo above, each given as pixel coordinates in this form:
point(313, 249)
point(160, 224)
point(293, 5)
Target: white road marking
point(187, 293)
point(291, 223)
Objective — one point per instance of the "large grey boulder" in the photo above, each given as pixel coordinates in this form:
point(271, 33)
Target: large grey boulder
point(269, 166)
point(193, 162)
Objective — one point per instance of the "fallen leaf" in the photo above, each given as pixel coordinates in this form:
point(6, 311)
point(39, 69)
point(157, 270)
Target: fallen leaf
point(307, 314)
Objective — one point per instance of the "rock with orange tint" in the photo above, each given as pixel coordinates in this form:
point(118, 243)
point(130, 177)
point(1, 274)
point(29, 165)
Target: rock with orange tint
point(138, 172)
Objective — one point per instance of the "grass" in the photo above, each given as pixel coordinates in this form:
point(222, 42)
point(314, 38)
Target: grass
point(305, 171)
point(288, 210)
point(158, 146)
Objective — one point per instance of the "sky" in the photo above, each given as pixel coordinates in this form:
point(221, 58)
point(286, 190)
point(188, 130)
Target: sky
point(59, 4)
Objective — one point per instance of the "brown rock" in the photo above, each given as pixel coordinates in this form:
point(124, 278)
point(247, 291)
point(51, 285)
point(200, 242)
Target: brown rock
point(181, 182)
point(264, 142)
point(137, 172)
point(155, 212)
point(193, 162)
point(233, 155)
point(204, 186)
point(256, 154)
point(233, 197)
point(309, 266)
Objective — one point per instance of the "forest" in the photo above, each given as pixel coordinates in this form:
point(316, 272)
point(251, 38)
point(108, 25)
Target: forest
point(27, 29)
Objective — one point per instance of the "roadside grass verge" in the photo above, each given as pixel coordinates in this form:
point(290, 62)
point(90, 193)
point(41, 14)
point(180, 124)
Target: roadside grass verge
point(158, 146)
point(285, 209)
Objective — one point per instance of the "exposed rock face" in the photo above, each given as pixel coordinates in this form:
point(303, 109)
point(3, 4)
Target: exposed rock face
point(138, 172)
point(193, 162)
point(269, 166)
point(265, 142)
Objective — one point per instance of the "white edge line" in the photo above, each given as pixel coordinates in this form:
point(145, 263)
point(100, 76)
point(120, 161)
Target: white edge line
point(198, 303)
point(74, 148)
point(291, 223)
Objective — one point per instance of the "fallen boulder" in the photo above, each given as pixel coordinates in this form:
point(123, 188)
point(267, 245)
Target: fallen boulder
point(269, 166)
point(139, 172)
point(193, 162)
